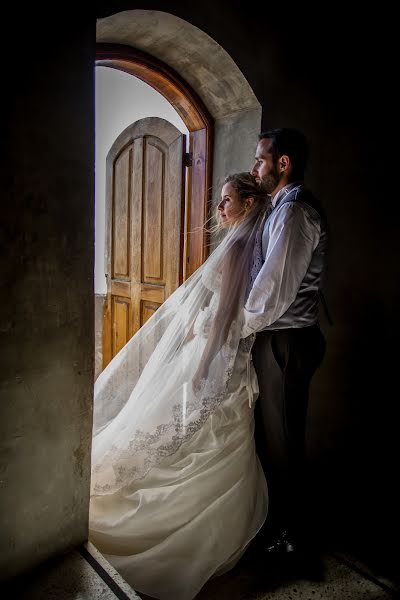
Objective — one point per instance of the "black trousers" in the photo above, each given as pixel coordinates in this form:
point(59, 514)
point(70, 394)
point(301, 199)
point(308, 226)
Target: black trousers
point(285, 361)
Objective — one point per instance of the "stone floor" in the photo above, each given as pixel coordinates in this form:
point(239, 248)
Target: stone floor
point(82, 574)
point(338, 579)
point(85, 575)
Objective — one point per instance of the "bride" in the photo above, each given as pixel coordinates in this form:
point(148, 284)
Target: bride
point(177, 490)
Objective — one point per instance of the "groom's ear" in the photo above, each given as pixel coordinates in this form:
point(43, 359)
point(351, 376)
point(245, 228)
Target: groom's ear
point(284, 163)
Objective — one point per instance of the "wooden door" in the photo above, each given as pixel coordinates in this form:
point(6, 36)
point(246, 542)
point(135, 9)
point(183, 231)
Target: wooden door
point(144, 220)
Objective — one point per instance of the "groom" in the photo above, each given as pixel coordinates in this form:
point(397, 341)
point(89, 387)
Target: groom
point(282, 308)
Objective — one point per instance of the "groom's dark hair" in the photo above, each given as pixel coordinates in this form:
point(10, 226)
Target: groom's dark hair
point(291, 142)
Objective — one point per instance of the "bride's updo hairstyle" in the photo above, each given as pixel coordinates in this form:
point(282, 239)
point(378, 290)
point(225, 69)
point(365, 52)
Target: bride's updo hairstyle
point(246, 186)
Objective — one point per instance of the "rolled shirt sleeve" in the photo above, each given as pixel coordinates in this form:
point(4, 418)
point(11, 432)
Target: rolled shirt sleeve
point(293, 236)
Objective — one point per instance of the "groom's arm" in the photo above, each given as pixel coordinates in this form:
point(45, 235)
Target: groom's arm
point(293, 236)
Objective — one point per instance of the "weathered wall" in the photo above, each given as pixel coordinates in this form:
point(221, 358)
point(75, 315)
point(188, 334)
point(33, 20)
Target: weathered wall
point(46, 316)
point(234, 146)
point(217, 80)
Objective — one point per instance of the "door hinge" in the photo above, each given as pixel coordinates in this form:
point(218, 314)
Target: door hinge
point(188, 159)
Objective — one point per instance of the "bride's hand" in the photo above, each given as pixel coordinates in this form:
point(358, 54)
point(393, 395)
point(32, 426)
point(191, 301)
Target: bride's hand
point(197, 379)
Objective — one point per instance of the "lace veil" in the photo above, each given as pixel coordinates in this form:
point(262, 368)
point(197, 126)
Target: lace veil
point(163, 385)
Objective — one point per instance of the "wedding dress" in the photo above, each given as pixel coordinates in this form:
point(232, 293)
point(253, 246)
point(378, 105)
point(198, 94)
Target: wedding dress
point(177, 489)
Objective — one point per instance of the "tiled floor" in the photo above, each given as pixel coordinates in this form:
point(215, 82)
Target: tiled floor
point(85, 575)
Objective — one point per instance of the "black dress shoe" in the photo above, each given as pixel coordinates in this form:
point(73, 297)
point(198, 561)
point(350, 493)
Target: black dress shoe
point(295, 558)
point(282, 544)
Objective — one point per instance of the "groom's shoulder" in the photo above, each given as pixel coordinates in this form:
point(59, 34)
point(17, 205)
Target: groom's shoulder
point(307, 200)
point(302, 194)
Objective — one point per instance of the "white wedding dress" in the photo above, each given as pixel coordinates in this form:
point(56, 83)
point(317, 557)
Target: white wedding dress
point(189, 512)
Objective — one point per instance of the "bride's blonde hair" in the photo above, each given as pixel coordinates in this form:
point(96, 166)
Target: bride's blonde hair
point(246, 186)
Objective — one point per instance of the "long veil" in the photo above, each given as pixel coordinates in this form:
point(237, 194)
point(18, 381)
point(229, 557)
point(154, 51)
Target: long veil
point(166, 381)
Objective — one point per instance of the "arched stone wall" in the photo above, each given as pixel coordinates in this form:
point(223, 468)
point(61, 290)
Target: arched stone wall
point(208, 69)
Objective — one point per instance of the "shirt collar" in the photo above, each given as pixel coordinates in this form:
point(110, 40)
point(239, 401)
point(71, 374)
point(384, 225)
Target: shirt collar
point(284, 191)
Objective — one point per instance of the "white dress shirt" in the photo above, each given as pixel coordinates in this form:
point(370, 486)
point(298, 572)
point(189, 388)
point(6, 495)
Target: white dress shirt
point(285, 291)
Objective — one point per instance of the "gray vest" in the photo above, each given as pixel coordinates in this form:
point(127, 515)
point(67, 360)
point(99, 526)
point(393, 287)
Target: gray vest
point(304, 310)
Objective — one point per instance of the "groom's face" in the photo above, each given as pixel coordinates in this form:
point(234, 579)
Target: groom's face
point(265, 169)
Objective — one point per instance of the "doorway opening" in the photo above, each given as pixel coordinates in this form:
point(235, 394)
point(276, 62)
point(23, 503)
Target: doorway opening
point(152, 190)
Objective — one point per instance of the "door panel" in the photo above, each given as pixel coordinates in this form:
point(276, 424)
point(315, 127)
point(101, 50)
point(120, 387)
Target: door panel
point(153, 205)
point(145, 217)
point(120, 317)
point(121, 215)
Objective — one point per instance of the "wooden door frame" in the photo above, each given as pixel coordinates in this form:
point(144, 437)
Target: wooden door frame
point(199, 122)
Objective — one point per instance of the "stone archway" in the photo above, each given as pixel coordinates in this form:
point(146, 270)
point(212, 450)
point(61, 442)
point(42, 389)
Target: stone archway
point(209, 71)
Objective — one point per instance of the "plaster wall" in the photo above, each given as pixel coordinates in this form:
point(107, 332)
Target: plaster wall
point(46, 316)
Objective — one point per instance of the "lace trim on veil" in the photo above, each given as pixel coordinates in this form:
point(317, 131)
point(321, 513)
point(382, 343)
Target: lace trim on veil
point(175, 430)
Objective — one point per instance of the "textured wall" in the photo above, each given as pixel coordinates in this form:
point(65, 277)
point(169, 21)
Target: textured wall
point(234, 145)
point(46, 316)
point(198, 58)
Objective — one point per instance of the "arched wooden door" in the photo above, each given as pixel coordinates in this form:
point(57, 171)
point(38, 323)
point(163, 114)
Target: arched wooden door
point(144, 224)
point(199, 123)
